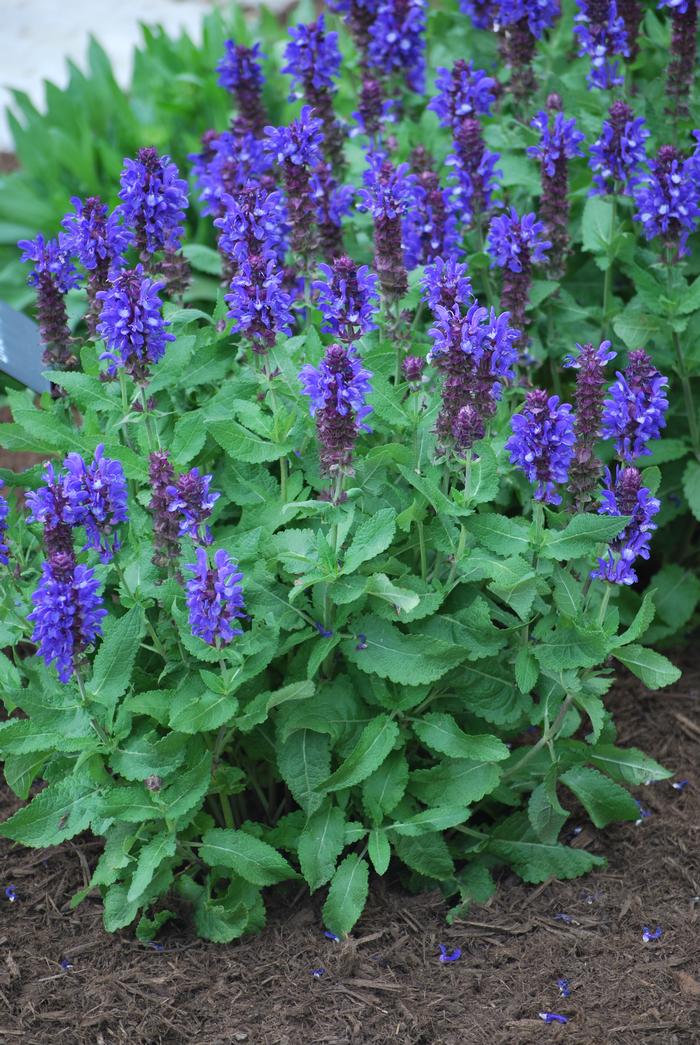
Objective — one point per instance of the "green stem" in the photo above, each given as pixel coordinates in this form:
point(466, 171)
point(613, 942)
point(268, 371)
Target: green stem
point(607, 282)
point(151, 428)
point(423, 553)
point(93, 721)
point(548, 735)
point(604, 603)
point(458, 555)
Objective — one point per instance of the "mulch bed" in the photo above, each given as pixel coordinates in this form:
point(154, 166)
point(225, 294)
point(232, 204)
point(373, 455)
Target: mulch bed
point(386, 984)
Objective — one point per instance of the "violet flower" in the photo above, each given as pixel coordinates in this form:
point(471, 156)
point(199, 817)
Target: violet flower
point(634, 412)
point(53, 275)
point(373, 110)
point(226, 164)
point(348, 299)
point(648, 935)
point(240, 74)
point(681, 71)
point(449, 956)
point(668, 199)
point(297, 149)
point(586, 466)
point(259, 305)
point(331, 203)
point(625, 495)
point(632, 14)
point(601, 32)
point(552, 1017)
point(11, 893)
point(542, 443)
point(98, 240)
point(337, 389)
point(154, 201)
point(446, 283)
point(132, 324)
point(192, 501)
point(397, 41)
point(105, 505)
point(560, 142)
point(474, 171)
point(617, 156)
point(254, 223)
point(67, 613)
point(4, 512)
point(359, 16)
point(481, 12)
point(521, 23)
point(462, 91)
point(313, 62)
point(214, 598)
point(389, 193)
point(514, 244)
point(59, 506)
point(430, 227)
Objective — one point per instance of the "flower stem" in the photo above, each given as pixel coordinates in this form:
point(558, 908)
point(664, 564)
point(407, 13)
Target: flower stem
point(548, 735)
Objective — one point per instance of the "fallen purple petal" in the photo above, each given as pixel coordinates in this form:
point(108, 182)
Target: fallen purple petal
point(561, 917)
point(331, 936)
point(453, 956)
point(644, 813)
point(11, 893)
point(648, 935)
point(361, 642)
point(318, 973)
point(553, 1017)
point(564, 987)
point(65, 964)
point(680, 785)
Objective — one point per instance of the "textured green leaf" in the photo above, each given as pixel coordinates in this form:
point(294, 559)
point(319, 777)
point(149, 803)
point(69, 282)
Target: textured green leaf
point(113, 664)
point(627, 764)
point(320, 844)
point(581, 536)
point(439, 819)
point(375, 742)
point(384, 789)
point(254, 860)
point(409, 659)
point(304, 761)
point(188, 790)
point(62, 810)
point(545, 813)
point(455, 781)
point(152, 855)
point(258, 710)
point(563, 644)
point(372, 537)
point(379, 850)
point(597, 225)
point(441, 733)
point(603, 800)
point(347, 895)
point(428, 855)
point(655, 670)
point(677, 593)
point(148, 754)
point(526, 670)
point(189, 437)
point(535, 861)
point(499, 533)
point(642, 619)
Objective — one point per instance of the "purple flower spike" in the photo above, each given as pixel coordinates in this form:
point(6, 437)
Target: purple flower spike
point(522, 23)
point(154, 201)
point(634, 412)
point(668, 199)
point(430, 227)
point(618, 154)
point(59, 506)
point(681, 72)
point(552, 1017)
point(166, 528)
point(11, 893)
point(564, 986)
point(626, 496)
point(191, 499)
point(258, 305)
point(481, 12)
point(542, 443)
point(227, 163)
point(413, 367)
point(348, 298)
point(254, 223)
point(515, 244)
point(240, 74)
point(132, 324)
point(473, 170)
point(105, 506)
point(297, 149)
point(373, 109)
point(462, 91)
point(449, 956)
point(560, 142)
point(389, 193)
point(214, 598)
point(313, 61)
point(337, 390)
point(4, 512)
point(586, 466)
point(67, 612)
point(331, 203)
point(53, 275)
point(98, 240)
point(447, 284)
point(648, 935)
point(601, 32)
point(397, 41)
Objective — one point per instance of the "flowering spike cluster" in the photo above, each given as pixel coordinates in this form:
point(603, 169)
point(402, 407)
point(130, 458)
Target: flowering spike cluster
point(359, 16)
point(481, 12)
point(154, 201)
point(626, 496)
point(516, 243)
point(388, 194)
point(254, 223)
point(668, 199)
point(617, 156)
point(4, 512)
point(413, 367)
point(166, 527)
point(634, 412)
point(98, 240)
point(522, 23)
point(337, 389)
point(462, 91)
point(397, 41)
point(331, 203)
point(313, 61)
point(602, 34)
point(474, 170)
point(348, 298)
point(214, 598)
point(681, 72)
point(542, 443)
point(446, 283)
point(259, 305)
point(560, 141)
point(190, 499)
point(586, 466)
point(297, 149)
point(632, 14)
point(430, 227)
point(132, 324)
point(67, 612)
point(53, 275)
point(476, 351)
point(240, 74)
point(226, 164)
point(373, 109)
point(59, 506)
point(105, 506)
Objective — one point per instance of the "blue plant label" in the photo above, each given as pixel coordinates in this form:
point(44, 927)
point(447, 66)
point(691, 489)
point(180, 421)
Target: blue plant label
point(21, 349)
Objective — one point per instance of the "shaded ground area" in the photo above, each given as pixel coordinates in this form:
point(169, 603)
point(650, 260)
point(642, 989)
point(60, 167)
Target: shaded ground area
point(386, 984)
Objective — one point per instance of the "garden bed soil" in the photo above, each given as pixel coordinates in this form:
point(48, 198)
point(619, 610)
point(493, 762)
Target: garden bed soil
point(386, 983)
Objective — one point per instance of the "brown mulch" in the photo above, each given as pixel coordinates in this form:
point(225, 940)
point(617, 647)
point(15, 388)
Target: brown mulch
point(386, 983)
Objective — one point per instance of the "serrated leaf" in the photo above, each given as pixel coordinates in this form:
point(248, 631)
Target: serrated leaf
point(118, 911)
point(597, 225)
point(379, 850)
point(581, 536)
point(677, 593)
point(113, 664)
point(526, 670)
point(372, 537)
point(189, 437)
point(567, 593)
point(627, 764)
point(258, 710)
point(347, 895)
point(441, 733)
point(376, 741)
point(499, 533)
point(691, 487)
point(655, 670)
point(642, 619)
point(535, 861)
point(458, 781)
point(320, 844)
point(603, 800)
point(304, 761)
point(408, 659)
point(546, 813)
point(62, 810)
point(188, 790)
point(427, 855)
point(439, 819)
point(150, 858)
point(384, 789)
point(254, 860)
point(148, 754)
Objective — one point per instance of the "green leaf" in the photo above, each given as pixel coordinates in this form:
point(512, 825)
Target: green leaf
point(304, 760)
point(439, 819)
point(655, 670)
point(376, 741)
point(260, 707)
point(403, 600)
point(545, 813)
point(603, 800)
point(677, 593)
point(499, 533)
point(441, 733)
point(152, 855)
point(254, 860)
point(188, 790)
point(347, 895)
point(627, 764)
point(581, 536)
point(112, 667)
point(691, 487)
point(372, 537)
point(526, 670)
point(320, 844)
point(203, 259)
point(384, 789)
point(428, 855)
point(597, 225)
point(379, 850)
point(244, 445)
point(118, 911)
point(408, 659)
point(567, 593)
point(454, 781)
point(561, 643)
point(642, 619)
point(536, 861)
point(189, 437)
point(62, 810)
point(148, 754)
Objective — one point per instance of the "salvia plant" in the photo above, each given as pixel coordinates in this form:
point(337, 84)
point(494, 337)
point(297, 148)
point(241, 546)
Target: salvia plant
point(363, 418)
